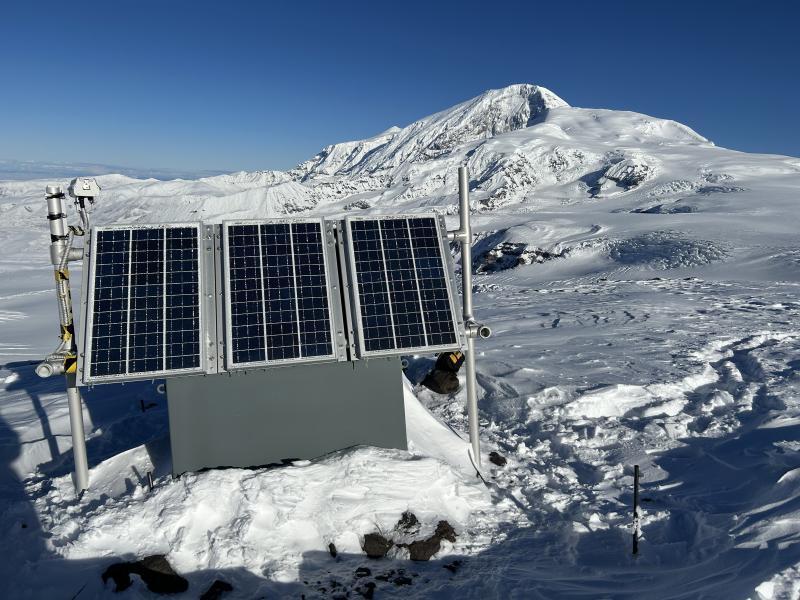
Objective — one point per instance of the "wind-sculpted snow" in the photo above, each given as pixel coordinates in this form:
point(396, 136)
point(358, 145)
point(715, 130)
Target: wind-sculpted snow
point(642, 288)
point(665, 250)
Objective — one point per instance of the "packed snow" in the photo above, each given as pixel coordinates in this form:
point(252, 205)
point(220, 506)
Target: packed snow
point(642, 288)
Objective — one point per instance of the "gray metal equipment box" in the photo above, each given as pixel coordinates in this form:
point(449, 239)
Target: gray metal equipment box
point(259, 417)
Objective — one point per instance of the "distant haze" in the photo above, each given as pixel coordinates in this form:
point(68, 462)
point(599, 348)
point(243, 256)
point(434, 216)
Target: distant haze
point(17, 170)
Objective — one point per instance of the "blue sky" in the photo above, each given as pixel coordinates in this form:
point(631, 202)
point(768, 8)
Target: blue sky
point(259, 85)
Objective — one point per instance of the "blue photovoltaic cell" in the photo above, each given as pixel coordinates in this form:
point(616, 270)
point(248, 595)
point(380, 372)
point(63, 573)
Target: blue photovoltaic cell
point(435, 296)
point(278, 292)
point(401, 283)
point(109, 352)
point(403, 287)
point(247, 305)
point(312, 290)
point(146, 303)
point(182, 299)
point(373, 289)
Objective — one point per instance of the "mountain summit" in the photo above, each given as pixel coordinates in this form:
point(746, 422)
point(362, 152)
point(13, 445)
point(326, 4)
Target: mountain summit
point(515, 141)
point(492, 113)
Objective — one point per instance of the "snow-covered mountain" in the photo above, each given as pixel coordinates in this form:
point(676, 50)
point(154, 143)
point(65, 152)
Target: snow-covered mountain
point(492, 113)
point(642, 285)
point(523, 145)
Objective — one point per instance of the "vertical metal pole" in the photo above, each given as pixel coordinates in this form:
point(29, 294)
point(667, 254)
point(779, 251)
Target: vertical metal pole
point(636, 509)
point(465, 232)
point(58, 247)
point(81, 479)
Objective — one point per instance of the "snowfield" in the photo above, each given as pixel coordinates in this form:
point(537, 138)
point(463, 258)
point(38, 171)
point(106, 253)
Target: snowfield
point(643, 288)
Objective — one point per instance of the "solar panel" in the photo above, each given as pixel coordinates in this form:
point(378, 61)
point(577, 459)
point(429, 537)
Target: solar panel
point(403, 299)
point(277, 293)
point(144, 315)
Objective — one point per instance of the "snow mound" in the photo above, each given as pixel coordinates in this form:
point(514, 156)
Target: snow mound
point(300, 508)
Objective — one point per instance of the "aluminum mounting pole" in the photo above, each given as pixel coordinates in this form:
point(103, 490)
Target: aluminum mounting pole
point(64, 359)
point(472, 329)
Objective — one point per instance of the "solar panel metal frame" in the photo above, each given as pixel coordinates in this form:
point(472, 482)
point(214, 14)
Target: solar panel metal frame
point(332, 284)
point(87, 309)
point(449, 277)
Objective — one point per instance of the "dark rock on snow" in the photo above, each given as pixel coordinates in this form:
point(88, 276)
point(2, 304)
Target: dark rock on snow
point(445, 531)
point(441, 382)
point(497, 459)
point(367, 590)
point(376, 546)
point(217, 589)
point(332, 550)
point(408, 523)
point(157, 574)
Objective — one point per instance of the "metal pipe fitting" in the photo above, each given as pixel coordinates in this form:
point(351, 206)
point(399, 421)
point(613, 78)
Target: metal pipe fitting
point(45, 370)
point(52, 365)
point(477, 330)
point(75, 254)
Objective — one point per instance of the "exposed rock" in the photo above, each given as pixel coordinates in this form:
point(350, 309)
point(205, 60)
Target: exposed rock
point(497, 459)
point(120, 574)
point(665, 209)
point(408, 523)
point(507, 255)
point(421, 550)
point(155, 571)
point(363, 572)
point(367, 590)
point(441, 382)
point(376, 545)
point(627, 173)
point(332, 550)
point(445, 531)
point(719, 189)
point(217, 589)
point(402, 580)
point(357, 204)
point(424, 549)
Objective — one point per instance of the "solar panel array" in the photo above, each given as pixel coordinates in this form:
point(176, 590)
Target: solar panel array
point(278, 300)
point(144, 316)
point(145, 297)
point(403, 299)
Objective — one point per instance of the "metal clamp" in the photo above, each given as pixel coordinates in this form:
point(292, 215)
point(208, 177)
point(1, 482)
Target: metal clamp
point(477, 330)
